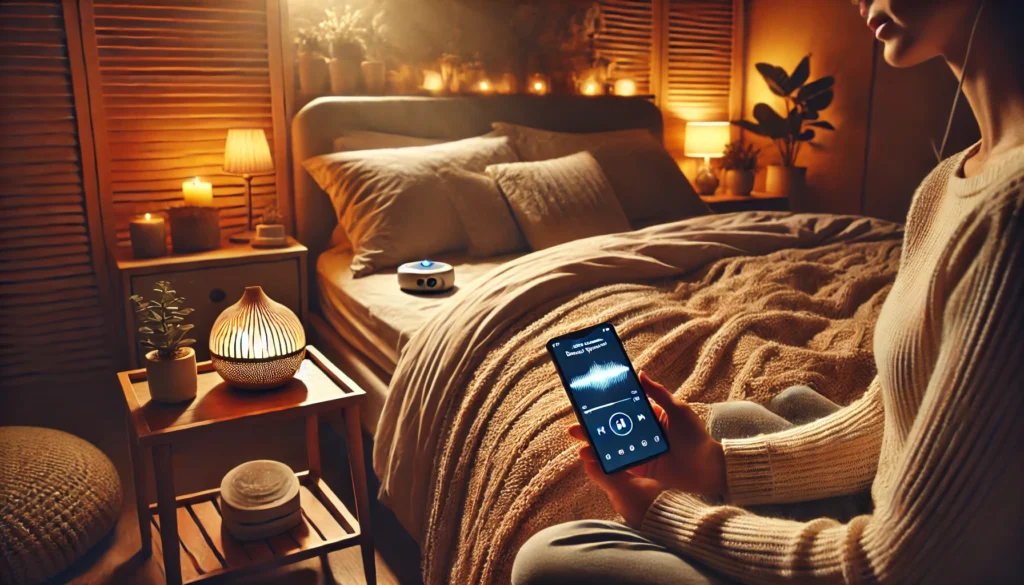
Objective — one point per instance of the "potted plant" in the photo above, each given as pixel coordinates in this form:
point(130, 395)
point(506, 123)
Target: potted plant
point(740, 163)
point(343, 31)
point(789, 131)
point(378, 47)
point(270, 233)
point(312, 64)
point(171, 361)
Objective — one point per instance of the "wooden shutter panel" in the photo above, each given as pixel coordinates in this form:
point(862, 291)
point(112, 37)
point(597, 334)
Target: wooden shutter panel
point(628, 39)
point(168, 79)
point(51, 314)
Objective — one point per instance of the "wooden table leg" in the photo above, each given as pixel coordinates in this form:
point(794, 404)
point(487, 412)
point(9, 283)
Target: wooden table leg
point(166, 505)
point(313, 444)
point(354, 444)
point(139, 479)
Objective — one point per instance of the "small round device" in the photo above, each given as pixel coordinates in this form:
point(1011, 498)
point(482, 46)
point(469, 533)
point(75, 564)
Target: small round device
point(426, 276)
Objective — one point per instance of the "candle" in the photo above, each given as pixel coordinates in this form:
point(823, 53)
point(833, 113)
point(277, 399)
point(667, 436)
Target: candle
point(484, 86)
point(625, 87)
point(432, 81)
point(149, 239)
point(197, 193)
point(538, 84)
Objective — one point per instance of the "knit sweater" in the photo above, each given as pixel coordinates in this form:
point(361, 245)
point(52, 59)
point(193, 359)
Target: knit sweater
point(937, 436)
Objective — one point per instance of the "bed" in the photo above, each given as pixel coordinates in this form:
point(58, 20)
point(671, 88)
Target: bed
point(466, 410)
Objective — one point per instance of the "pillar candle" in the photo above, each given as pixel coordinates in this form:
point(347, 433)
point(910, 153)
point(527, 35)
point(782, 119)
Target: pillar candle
point(197, 193)
point(148, 235)
point(625, 87)
point(538, 84)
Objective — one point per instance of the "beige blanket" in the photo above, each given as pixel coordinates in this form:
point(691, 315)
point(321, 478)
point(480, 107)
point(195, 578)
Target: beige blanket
point(471, 449)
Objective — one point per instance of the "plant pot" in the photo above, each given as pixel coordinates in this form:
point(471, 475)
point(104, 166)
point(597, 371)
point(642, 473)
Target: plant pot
point(173, 380)
point(312, 74)
point(345, 76)
point(375, 77)
point(790, 182)
point(739, 182)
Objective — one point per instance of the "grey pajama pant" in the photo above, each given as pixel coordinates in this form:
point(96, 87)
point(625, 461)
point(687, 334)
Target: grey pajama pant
point(598, 551)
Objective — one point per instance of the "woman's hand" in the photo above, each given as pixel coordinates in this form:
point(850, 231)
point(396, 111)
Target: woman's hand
point(695, 462)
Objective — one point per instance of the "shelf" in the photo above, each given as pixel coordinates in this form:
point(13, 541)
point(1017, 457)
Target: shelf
point(209, 554)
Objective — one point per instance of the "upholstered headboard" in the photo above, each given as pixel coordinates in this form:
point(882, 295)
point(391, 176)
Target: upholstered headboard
point(317, 125)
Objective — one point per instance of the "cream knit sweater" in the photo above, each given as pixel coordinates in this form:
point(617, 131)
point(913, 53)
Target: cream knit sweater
point(937, 436)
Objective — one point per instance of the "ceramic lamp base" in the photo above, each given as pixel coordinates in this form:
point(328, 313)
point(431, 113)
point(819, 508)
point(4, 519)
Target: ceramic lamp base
point(706, 181)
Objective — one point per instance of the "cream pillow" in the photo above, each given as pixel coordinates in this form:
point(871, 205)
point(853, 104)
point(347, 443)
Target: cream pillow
point(368, 140)
point(483, 212)
point(391, 202)
point(560, 200)
point(646, 180)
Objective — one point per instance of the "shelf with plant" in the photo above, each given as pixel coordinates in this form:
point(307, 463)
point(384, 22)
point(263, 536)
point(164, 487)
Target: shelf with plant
point(171, 361)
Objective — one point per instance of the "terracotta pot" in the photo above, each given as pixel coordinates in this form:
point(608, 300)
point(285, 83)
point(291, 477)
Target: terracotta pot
point(173, 380)
point(346, 76)
point(790, 182)
point(375, 77)
point(312, 74)
point(739, 182)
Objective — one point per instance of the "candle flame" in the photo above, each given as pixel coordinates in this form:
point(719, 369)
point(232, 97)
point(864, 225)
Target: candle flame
point(590, 88)
point(538, 85)
point(485, 85)
point(195, 181)
point(149, 216)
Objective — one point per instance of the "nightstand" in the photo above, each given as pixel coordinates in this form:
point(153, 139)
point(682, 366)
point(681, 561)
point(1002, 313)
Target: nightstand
point(756, 201)
point(212, 281)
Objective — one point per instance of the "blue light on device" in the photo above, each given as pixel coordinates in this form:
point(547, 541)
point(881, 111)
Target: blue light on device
point(426, 263)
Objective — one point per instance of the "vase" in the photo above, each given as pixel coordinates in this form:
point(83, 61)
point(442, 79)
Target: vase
point(312, 74)
point(375, 77)
point(738, 182)
point(257, 343)
point(345, 76)
point(790, 182)
point(172, 380)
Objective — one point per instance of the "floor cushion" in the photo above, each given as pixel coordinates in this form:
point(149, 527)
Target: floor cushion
point(59, 495)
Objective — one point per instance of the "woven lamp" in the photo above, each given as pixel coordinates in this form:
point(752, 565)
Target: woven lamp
point(257, 343)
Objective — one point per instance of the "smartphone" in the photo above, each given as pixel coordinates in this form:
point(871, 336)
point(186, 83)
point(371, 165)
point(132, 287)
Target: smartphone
point(606, 394)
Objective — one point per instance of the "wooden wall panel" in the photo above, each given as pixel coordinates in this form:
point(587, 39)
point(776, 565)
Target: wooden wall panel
point(52, 268)
point(167, 81)
point(629, 39)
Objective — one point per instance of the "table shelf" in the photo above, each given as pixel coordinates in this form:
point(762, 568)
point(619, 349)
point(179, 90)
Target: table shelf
point(209, 554)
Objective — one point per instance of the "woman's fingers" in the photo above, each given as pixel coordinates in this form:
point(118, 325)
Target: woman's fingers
point(657, 392)
point(587, 454)
point(576, 432)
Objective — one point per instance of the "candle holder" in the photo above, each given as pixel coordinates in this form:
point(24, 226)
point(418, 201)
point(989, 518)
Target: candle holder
point(194, 229)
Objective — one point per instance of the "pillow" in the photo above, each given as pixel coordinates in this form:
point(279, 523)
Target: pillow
point(645, 178)
point(367, 140)
point(391, 202)
point(483, 212)
point(560, 200)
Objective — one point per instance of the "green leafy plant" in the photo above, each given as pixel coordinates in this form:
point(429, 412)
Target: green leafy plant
point(163, 322)
point(804, 101)
point(740, 157)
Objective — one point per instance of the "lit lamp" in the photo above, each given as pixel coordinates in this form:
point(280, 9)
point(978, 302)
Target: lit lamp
point(625, 87)
point(537, 84)
point(707, 140)
point(247, 153)
point(257, 343)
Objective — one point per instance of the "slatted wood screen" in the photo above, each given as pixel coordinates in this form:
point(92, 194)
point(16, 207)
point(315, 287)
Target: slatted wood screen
point(168, 78)
point(629, 39)
point(51, 316)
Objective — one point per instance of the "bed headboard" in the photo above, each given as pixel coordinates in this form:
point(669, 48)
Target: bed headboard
point(317, 125)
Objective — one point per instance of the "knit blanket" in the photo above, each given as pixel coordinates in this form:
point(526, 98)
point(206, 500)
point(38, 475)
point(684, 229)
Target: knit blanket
point(471, 449)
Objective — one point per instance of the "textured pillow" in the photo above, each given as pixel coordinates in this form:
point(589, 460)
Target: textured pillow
point(483, 212)
point(391, 202)
point(560, 200)
point(645, 178)
point(367, 140)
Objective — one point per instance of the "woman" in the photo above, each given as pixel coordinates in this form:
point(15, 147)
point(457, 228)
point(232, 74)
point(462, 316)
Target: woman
point(937, 436)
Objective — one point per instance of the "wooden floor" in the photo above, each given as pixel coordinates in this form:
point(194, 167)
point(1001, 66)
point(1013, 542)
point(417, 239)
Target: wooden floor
point(97, 416)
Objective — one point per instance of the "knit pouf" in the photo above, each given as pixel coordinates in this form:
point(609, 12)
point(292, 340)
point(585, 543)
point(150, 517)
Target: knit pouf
point(59, 495)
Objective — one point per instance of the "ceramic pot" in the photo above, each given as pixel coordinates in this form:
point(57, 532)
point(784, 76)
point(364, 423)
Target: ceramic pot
point(173, 380)
point(375, 77)
point(790, 182)
point(312, 74)
point(345, 76)
point(739, 182)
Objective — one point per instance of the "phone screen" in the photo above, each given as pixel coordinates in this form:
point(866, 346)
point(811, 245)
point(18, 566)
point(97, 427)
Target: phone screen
point(607, 396)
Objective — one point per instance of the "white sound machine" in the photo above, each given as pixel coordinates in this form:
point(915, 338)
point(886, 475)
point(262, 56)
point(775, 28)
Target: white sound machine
point(426, 276)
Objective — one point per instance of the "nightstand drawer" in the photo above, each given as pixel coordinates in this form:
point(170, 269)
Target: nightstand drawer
point(211, 290)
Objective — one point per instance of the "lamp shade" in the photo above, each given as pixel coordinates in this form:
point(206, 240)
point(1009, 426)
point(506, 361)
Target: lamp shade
point(257, 343)
point(706, 139)
point(246, 152)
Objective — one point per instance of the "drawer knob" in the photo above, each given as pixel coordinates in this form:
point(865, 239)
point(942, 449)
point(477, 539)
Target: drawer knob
point(217, 295)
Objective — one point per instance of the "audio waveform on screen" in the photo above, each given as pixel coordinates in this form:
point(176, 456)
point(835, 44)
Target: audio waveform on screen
point(600, 376)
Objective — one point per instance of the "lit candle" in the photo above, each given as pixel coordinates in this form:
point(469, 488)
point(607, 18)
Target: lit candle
point(590, 88)
point(197, 193)
point(432, 81)
point(149, 239)
point(538, 84)
point(625, 87)
point(484, 86)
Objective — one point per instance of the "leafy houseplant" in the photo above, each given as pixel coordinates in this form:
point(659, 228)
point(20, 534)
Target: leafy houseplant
point(797, 125)
point(270, 232)
point(345, 33)
point(312, 64)
point(740, 163)
point(171, 361)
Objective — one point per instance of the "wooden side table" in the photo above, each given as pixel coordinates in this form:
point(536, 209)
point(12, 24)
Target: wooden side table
point(195, 548)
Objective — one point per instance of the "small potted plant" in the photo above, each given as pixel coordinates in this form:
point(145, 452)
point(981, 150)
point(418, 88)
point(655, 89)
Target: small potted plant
point(795, 127)
point(740, 164)
point(171, 361)
point(378, 46)
point(311, 62)
point(345, 34)
point(270, 233)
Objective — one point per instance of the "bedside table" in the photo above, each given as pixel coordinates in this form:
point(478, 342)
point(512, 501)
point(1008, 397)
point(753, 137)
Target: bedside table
point(756, 201)
point(211, 282)
point(194, 546)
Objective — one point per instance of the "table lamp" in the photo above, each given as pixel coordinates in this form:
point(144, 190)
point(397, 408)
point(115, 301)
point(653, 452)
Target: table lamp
point(247, 153)
point(707, 140)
